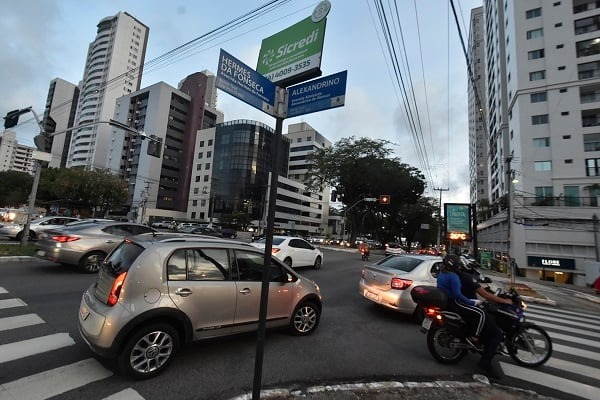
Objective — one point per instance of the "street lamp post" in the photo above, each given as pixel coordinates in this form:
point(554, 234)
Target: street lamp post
point(367, 199)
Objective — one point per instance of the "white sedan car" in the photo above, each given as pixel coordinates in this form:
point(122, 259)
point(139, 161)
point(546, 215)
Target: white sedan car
point(15, 231)
point(294, 251)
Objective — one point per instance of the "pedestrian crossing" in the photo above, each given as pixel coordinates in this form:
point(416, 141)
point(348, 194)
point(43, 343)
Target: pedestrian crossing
point(52, 382)
point(574, 368)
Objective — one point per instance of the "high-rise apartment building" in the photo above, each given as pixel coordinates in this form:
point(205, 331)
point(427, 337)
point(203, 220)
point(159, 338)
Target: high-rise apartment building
point(157, 161)
point(61, 106)
point(113, 68)
point(543, 119)
point(14, 156)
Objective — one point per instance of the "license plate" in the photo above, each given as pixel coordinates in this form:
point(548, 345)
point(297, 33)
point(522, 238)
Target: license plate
point(40, 253)
point(84, 312)
point(372, 296)
point(426, 324)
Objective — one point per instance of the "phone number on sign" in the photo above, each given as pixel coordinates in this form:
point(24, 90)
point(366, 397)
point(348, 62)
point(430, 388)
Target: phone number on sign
point(288, 70)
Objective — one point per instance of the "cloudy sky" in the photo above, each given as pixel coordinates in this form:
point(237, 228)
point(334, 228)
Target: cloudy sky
point(45, 39)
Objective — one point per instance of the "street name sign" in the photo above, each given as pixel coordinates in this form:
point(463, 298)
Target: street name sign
point(241, 81)
point(317, 95)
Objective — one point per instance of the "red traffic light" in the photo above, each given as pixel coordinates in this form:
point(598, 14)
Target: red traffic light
point(384, 199)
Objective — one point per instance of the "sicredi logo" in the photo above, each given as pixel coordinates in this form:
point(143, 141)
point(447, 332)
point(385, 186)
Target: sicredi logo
point(269, 57)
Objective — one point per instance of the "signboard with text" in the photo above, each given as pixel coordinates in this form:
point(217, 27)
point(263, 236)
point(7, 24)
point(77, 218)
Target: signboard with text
point(457, 218)
point(241, 81)
point(294, 54)
point(317, 95)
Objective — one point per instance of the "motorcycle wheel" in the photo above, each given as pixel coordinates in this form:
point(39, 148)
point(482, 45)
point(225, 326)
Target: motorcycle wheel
point(530, 346)
point(439, 342)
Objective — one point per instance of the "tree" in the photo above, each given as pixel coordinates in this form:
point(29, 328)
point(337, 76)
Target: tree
point(15, 187)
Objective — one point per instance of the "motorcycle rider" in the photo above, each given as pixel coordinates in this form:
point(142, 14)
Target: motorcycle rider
point(363, 249)
point(477, 320)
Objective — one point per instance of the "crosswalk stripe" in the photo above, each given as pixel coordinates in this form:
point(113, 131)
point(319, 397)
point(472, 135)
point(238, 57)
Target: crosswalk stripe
point(566, 329)
point(552, 381)
point(564, 312)
point(3, 291)
point(554, 314)
point(53, 382)
point(567, 322)
point(592, 355)
point(26, 348)
point(19, 321)
point(574, 339)
point(575, 368)
point(127, 394)
point(10, 303)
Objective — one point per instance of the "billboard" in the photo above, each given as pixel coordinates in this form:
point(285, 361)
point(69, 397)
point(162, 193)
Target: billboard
point(457, 218)
point(294, 54)
point(317, 95)
point(241, 81)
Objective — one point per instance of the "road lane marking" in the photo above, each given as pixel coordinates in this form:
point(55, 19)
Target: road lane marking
point(567, 329)
point(566, 321)
point(127, 394)
point(554, 310)
point(54, 382)
point(575, 368)
point(19, 321)
point(10, 303)
point(3, 291)
point(574, 339)
point(26, 348)
point(592, 355)
point(551, 381)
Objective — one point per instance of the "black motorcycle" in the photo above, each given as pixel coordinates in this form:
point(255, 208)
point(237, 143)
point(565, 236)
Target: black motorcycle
point(525, 342)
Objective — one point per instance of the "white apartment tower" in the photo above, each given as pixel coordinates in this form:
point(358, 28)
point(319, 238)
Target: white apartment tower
point(113, 69)
point(543, 125)
point(61, 106)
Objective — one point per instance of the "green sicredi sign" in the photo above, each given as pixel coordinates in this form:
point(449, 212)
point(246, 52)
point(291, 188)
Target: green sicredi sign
point(458, 218)
point(295, 51)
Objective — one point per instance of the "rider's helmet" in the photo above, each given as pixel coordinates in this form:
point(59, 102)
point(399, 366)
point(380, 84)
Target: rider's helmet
point(452, 262)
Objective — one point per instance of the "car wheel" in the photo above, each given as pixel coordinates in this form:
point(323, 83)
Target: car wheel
point(148, 352)
point(317, 264)
point(305, 319)
point(288, 261)
point(91, 262)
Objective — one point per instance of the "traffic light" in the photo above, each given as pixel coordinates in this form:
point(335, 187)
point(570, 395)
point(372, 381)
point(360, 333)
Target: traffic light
point(12, 117)
point(384, 199)
point(43, 143)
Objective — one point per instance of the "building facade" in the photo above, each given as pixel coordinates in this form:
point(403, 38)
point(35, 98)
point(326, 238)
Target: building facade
point(157, 161)
point(61, 106)
point(113, 68)
point(15, 156)
point(543, 97)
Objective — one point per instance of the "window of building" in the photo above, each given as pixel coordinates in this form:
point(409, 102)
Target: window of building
point(537, 75)
point(564, 113)
point(539, 97)
point(560, 46)
point(566, 137)
point(561, 68)
point(572, 198)
point(569, 161)
point(558, 25)
point(563, 90)
point(586, 25)
point(200, 155)
point(210, 142)
point(535, 33)
point(588, 47)
point(590, 117)
point(582, 6)
point(203, 203)
point(541, 142)
point(556, 4)
point(535, 54)
point(194, 203)
point(535, 12)
point(588, 70)
point(198, 167)
point(592, 167)
point(208, 154)
point(206, 178)
point(539, 119)
point(198, 178)
point(543, 192)
point(299, 140)
point(543, 166)
point(201, 143)
point(591, 142)
point(207, 166)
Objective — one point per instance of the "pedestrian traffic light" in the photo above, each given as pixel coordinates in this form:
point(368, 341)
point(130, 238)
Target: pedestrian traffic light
point(384, 199)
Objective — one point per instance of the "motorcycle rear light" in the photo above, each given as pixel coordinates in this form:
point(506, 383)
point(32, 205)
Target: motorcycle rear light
point(431, 312)
point(401, 284)
point(64, 238)
point(115, 291)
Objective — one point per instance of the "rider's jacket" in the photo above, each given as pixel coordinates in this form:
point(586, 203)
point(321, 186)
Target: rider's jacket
point(449, 282)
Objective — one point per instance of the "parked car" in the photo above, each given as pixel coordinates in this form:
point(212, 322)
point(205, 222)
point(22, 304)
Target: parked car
point(293, 251)
point(85, 243)
point(184, 289)
point(389, 281)
point(15, 231)
point(163, 224)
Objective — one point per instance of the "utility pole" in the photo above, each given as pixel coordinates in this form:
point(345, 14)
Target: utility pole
point(439, 235)
point(510, 265)
point(595, 227)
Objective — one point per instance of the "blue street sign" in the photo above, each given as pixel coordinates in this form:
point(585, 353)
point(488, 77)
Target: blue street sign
point(316, 95)
point(241, 81)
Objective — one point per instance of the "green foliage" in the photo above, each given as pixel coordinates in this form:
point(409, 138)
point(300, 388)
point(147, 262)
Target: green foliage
point(17, 250)
point(15, 187)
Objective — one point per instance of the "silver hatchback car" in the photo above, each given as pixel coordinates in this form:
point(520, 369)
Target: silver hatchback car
point(155, 293)
point(389, 281)
point(85, 243)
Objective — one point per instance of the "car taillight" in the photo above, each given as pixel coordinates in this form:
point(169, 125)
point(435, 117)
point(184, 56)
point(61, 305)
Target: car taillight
point(275, 250)
point(64, 238)
point(401, 284)
point(115, 290)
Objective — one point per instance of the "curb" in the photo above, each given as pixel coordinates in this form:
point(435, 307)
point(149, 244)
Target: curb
point(17, 258)
point(386, 386)
point(589, 297)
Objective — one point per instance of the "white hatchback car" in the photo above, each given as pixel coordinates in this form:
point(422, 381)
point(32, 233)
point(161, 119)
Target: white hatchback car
point(15, 231)
point(293, 251)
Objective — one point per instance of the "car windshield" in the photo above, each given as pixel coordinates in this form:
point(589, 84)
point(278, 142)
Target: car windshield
point(405, 264)
point(122, 258)
point(276, 240)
